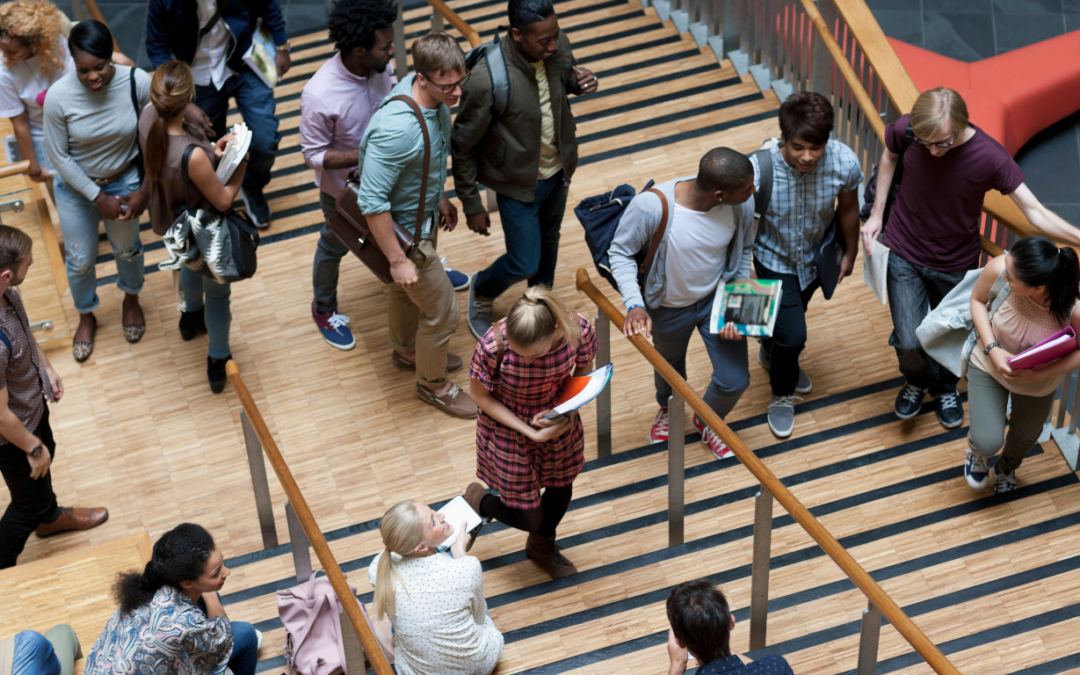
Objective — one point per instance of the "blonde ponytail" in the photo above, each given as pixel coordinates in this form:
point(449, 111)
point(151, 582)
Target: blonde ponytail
point(537, 315)
point(401, 533)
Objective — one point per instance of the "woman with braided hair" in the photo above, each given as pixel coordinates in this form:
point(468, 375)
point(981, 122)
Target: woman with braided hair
point(171, 619)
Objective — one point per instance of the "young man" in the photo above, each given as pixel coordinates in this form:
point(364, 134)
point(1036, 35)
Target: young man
point(423, 309)
point(335, 107)
point(701, 624)
point(527, 155)
point(27, 447)
point(212, 37)
point(933, 229)
point(710, 237)
point(810, 174)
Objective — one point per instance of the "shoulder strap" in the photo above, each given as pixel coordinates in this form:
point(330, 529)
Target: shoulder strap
point(184, 171)
point(427, 164)
point(909, 136)
point(764, 192)
point(211, 23)
point(134, 95)
point(646, 265)
point(500, 348)
point(499, 74)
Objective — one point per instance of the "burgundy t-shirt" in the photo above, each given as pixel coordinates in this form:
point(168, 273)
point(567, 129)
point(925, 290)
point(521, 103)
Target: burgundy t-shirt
point(934, 221)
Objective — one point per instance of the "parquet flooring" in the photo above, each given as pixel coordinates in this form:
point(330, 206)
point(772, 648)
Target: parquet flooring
point(993, 581)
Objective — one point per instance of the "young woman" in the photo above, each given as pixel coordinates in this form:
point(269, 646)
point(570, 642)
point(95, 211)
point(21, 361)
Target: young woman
point(90, 134)
point(1044, 289)
point(165, 134)
point(541, 343)
point(435, 601)
point(171, 619)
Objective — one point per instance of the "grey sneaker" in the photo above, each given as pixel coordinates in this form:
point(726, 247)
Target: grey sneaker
point(481, 313)
point(804, 385)
point(782, 415)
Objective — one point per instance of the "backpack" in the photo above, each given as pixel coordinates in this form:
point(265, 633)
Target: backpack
point(600, 216)
point(497, 70)
point(870, 191)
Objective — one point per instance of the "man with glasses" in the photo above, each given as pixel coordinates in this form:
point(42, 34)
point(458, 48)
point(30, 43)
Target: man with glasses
point(423, 310)
point(933, 229)
point(527, 154)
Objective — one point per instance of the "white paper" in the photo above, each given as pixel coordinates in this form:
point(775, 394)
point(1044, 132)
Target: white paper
point(875, 271)
point(457, 510)
point(234, 152)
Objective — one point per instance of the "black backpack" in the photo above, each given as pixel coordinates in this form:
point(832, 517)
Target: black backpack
point(497, 70)
point(870, 191)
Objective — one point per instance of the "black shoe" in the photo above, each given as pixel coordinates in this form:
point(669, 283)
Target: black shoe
point(191, 324)
point(215, 372)
point(949, 411)
point(909, 401)
point(258, 208)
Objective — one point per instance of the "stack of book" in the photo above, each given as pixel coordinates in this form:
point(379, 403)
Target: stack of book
point(235, 151)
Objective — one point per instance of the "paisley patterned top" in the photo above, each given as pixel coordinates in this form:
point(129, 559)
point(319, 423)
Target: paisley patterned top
point(169, 635)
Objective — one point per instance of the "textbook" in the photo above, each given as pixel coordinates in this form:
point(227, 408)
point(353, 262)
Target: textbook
point(457, 510)
point(578, 391)
point(875, 270)
point(234, 152)
point(1052, 348)
point(750, 304)
point(260, 57)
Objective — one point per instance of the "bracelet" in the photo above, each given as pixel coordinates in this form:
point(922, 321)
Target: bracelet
point(986, 352)
point(633, 307)
point(283, 48)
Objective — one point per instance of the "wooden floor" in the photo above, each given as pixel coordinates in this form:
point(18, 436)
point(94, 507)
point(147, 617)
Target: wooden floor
point(993, 581)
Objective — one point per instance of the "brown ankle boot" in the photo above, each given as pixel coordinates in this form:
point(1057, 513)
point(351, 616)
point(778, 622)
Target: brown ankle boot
point(544, 552)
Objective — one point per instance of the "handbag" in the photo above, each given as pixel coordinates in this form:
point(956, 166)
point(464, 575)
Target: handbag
point(948, 334)
point(218, 245)
point(350, 226)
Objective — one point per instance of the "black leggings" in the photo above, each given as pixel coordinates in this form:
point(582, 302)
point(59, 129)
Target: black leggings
point(542, 520)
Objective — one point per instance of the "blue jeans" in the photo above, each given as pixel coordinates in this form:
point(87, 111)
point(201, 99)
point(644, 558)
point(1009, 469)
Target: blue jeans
point(79, 218)
point(204, 293)
point(256, 103)
point(245, 647)
point(671, 331)
point(42, 155)
point(531, 230)
point(34, 655)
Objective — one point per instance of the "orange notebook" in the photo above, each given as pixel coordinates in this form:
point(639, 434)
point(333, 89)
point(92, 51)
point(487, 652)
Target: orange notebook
point(578, 391)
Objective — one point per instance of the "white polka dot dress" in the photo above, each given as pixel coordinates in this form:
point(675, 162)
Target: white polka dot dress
point(440, 620)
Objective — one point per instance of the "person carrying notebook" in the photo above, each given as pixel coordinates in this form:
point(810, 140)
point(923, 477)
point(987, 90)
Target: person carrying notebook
point(709, 239)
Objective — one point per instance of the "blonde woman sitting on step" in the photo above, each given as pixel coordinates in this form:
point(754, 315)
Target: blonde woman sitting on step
point(435, 600)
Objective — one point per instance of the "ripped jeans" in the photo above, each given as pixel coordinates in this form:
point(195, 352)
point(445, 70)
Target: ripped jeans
point(79, 218)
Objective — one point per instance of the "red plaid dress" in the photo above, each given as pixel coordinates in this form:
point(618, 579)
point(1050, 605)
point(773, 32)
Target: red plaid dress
point(507, 460)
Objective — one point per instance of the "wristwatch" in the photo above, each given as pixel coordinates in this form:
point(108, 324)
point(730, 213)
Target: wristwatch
point(36, 452)
point(283, 48)
point(989, 347)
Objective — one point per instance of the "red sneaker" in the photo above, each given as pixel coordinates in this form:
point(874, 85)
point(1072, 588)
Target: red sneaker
point(659, 432)
point(719, 448)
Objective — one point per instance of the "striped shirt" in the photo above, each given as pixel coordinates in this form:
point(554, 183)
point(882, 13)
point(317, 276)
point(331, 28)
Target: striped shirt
point(801, 209)
point(550, 161)
point(392, 159)
point(22, 373)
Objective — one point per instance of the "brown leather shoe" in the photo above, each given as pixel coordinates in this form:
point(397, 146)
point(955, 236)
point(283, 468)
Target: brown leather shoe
point(73, 519)
point(474, 494)
point(544, 552)
point(454, 402)
point(453, 362)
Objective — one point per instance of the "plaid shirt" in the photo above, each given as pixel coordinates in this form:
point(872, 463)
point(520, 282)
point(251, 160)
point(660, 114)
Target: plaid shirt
point(22, 373)
point(801, 209)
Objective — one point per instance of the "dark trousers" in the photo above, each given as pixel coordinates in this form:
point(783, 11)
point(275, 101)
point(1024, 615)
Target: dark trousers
point(543, 520)
point(32, 501)
point(531, 230)
point(328, 254)
point(789, 336)
point(914, 290)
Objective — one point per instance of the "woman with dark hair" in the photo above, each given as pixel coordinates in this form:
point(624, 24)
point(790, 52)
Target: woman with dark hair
point(171, 619)
point(91, 134)
point(165, 134)
point(1042, 294)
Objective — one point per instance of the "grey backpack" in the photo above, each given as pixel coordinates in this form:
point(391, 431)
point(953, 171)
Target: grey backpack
point(500, 77)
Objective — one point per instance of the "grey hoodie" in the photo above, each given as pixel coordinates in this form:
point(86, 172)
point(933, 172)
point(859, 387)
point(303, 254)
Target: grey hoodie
point(639, 224)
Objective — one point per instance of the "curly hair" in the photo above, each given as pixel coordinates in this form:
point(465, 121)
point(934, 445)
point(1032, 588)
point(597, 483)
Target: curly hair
point(180, 555)
point(36, 24)
point(353, 23)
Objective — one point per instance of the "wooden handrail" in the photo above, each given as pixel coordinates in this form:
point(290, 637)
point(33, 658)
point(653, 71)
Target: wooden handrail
point(9, 170)
point(854, 571)
point(311, 528)
point(456, 21)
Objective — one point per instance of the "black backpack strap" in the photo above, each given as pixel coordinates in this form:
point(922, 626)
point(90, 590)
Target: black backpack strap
point(909, 136)
point(765, 182)
point(184, 171)
point(211, 23)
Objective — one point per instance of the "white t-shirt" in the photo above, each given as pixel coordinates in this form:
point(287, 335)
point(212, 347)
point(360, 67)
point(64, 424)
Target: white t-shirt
point(208, 67)
point(697, 246)
point(20, 84)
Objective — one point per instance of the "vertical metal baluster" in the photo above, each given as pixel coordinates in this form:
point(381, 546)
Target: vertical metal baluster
point(401, 63)
point(759, 579)
point(259, 484)
point(301, 547)
point(354, 650)
point(436, 21)
point(603, 402)
point(676, 468)
point(869, 637)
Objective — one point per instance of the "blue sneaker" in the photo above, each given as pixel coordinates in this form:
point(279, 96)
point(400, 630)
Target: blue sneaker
point(459, 280)
point(334, 328)
point(976, 470)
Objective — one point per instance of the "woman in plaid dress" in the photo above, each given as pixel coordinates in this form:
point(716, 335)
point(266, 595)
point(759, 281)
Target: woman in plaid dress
point(517, 452)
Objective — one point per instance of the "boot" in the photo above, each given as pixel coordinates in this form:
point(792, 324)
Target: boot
point(215, 373)
point(544, 552)
point(191, 324)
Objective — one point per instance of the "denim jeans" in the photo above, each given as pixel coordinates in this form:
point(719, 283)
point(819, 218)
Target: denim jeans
point(79, 218)
point(531, 230)
point(32, 501)
point(914, 290)
point(328, 255)
point(34, 655)
point(789, 336)
point(204, 293)
point(672, 328)
point(256, 103)
point(42, 155)
point(245, 649)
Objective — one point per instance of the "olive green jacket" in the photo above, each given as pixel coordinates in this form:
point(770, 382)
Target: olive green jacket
point(503, 152)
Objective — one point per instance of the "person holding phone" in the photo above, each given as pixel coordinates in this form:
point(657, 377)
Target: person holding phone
point(515, 378)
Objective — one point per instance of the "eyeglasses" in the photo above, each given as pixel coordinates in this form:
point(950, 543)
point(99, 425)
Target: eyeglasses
point(939, 144)
point(448, 88)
